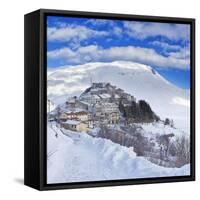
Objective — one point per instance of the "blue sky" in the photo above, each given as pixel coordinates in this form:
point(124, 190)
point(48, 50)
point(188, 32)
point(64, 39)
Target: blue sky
point(163, 46)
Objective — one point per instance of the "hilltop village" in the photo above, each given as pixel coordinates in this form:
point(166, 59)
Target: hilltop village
point(101, 103)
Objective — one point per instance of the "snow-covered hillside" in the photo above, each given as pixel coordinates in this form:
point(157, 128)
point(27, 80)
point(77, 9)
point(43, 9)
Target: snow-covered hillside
point(76, 157)
point(159, 127)
point(139, 80)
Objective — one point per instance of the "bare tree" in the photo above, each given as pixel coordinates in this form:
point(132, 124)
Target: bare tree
point(182, 150)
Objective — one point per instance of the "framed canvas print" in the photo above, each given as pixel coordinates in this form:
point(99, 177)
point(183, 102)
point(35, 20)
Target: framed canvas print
point(109, 99)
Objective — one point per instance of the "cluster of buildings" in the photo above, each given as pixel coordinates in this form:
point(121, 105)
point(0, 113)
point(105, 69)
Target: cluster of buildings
point(98, 104)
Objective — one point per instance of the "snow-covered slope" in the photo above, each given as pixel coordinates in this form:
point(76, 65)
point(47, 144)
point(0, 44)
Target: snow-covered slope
point(139, 80)
point(76, 157)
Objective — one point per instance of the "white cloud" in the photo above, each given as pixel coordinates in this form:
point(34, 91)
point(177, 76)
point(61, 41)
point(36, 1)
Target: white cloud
point(61, 53)
point(93, 53)
point(114, 28)
point(72, 33)
point(181, 101)
point(100, 22)
point(184, 53)
point(165, 46)
point(142, 30)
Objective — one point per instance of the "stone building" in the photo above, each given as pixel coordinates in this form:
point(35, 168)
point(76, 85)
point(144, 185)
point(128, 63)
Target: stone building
point(75, 125)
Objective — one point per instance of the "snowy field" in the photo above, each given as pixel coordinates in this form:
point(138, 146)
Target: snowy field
point(78, 157)
point(159, 127)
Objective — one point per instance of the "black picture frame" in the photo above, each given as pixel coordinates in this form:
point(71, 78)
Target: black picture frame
point(35, 97)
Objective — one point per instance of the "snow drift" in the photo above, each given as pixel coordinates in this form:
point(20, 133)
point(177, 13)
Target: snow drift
point(77, 157)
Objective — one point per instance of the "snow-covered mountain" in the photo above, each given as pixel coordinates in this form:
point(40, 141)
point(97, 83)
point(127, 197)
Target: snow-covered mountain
point(139, 80)
point(75, 157)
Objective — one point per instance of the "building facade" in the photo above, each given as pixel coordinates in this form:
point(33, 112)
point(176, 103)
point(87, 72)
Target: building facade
point(75, 125)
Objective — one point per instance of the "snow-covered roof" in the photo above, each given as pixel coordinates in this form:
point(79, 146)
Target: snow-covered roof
point(96, 89)
point(84, 102)
point(95, 96)
point(76, 110)
point(104, 95)
point(117, 96)
point(72, 122)
point(88, 96)
point(106, 104)
point(71, 100)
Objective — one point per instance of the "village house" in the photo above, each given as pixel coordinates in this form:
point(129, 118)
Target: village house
point(110, 107)
point(119, 91)
point(105, 97)
point(82, 115)
point(114, 118)
point(125, 102)
point(98, 88)
point(76, 115)
point(128, 97)
point(99, 85)
point(75, 125)
point(82, 105)
point(108, 112)
point(91, 123)
point(63, 116)
point(112, 112)
point(91, 99)
point(116, 96)
point(71, 102)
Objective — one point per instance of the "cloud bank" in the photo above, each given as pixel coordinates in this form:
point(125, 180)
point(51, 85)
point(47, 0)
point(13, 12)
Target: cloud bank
point(155, 44)
point(94, 53)
point(142, 30)
point(72, 33)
